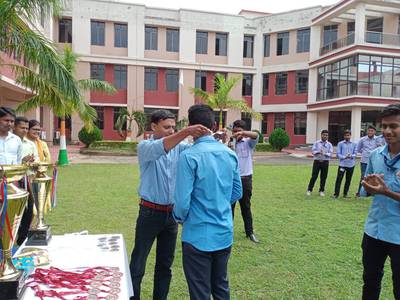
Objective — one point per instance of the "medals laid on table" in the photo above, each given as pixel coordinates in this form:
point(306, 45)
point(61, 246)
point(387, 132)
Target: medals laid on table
point(109, 244)
point(96, 283)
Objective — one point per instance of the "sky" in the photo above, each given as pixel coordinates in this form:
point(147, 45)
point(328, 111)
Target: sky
point(234, 6)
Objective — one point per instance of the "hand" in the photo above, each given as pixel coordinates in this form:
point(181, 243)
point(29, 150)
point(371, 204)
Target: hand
point(28, 158)
point(197, 131)
point(374, 184)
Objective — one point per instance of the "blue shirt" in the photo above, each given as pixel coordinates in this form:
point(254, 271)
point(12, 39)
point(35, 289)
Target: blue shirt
point(10, 150)
point(319, 147)
point(343, 150)
point(383, 221)
point(158, 170)
point(244, 151)
point(366, 145)
point(208, 182)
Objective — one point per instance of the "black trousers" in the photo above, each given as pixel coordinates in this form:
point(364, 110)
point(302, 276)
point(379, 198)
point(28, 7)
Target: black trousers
point(375, 253)
point(340, 174)
point(150, 225)
point(206, 273)
point(363, 167)
point(319, 166)
point(245, 205)
point(27, 217)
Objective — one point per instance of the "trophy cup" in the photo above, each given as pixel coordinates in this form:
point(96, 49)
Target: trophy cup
point(12, 209)
point(39, 233)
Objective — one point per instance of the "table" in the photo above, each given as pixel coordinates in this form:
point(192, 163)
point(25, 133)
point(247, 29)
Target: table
point(72, 251)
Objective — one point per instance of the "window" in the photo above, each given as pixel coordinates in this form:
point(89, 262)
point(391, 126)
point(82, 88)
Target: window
point(117, 113)
point(97, 33)
point(330, 34)
point(120, 35)
point(301, 81)
point(266, 44)
point(201, 42)
point(248, 45)
point(216, 118)
point(100, 117)
point(374, 31)
point(171, 79)
point(350, 32)
point(264, 123)
point(281, 83)
point(150, 38)
point(97, 71)
point(201, 80)
point(279, 120)
point(150, 79)
point(303, 40)
point(172, 40)
point(65, 31)
point(300, 123)
point(120, 77)
point(265, 84)
point(282, 47)
point(221, 43)
point(247, 85)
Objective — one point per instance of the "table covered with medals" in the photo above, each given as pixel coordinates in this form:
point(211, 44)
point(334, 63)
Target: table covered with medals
point(78, 267)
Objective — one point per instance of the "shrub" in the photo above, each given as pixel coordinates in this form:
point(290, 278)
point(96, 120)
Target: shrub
point(260, 136)
point(115, 146)
point(264, 147)
point(279, 139)
point(87, 137)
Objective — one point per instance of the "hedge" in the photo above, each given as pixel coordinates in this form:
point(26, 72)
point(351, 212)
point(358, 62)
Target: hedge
point(264, 147)
point(118, 146)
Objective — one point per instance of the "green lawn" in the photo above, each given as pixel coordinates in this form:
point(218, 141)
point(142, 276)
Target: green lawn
point(310, 247)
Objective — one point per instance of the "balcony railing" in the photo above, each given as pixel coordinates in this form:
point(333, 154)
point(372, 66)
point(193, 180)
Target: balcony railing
point(382, 38)
point(340, 43)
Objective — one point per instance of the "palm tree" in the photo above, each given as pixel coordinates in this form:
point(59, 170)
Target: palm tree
point(47, 93)
point(221, 99)
point(126, 118)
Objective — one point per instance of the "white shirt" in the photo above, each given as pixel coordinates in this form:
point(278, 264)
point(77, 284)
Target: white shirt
point(28, 148)
point(10, 149)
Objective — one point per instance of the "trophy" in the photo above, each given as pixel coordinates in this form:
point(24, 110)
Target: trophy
point(12, 208)
point(39, 233)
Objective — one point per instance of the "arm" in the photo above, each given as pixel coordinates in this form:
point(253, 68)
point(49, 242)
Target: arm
point(315, 149)
point(174, 139)
point(19, 153)
point(183, 190)
point(253, 137)
point(330, 150)
point(359, 146)
point(354, 154)
point(237, 190)
point(46, 152)
point(339, 153)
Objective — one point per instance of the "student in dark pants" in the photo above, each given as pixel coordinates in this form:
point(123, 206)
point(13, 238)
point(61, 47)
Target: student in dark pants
point(322, 152)
point(382, 227)
point(346, 152)
point(158, 157)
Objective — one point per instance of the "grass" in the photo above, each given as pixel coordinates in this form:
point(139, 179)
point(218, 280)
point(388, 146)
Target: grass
point(310, 247)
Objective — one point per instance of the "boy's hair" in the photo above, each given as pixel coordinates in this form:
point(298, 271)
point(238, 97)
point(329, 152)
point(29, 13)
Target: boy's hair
point(201, 114)
point(6, 111)
point(161, 115)
point(33, 123)
point(324, 131)
point(347, 131)
point(20, 120)
point(239, 123)
point(372, 127)
point(390, 110)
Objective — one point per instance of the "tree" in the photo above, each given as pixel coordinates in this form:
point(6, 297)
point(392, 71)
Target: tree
point(47, 93)
point(221, 99)
point(279, 139)
point(126, 118)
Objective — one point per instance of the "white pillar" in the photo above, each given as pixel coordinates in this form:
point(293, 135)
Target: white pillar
point(315, 41)
point(322, 121)
point(355, 123)
point(359, 33)
point(311, 135)
point(256, 125)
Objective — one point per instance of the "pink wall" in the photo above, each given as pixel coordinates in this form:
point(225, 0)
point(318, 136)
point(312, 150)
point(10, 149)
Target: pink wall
point(120, 97)
point(5, 70)
point(108, 132)
point(161, 97)
point(290, 98)
point(249, 100)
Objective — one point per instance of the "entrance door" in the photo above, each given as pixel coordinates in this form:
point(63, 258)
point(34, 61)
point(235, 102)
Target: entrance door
point(339, 121)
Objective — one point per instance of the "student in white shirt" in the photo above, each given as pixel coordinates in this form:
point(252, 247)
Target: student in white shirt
point(29, 149)
point(10, 144)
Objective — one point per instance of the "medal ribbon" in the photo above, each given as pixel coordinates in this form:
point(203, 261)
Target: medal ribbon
point(4, 203)
point(54, 188)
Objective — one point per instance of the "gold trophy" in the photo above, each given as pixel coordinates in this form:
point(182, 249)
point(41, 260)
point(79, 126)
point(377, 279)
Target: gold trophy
point(10, 278)
point(39, 233)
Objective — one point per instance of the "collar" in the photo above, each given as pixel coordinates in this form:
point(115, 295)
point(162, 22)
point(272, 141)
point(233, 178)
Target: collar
point(385, 152)
point(205, 138)
point(10, 135)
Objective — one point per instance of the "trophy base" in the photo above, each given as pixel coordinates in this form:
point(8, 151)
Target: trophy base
point(11, 289)
point(39, 237)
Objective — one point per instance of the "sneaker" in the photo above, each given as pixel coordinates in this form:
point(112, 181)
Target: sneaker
point(346, 196)
point(308, 193)
point(322, 194)
point(334, 197)
point(357, 195)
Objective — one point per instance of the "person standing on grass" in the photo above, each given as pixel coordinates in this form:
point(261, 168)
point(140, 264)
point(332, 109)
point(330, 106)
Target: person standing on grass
point(246, 141)
point(158, 158)
point(346, 153)
point(382, 228)
point(208, 182)
point(10, 144)
point(365, 146)
point(322, 152)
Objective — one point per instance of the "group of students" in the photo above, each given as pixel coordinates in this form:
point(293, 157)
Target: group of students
point(196, 185)
point(322, 151)
point(20, 143)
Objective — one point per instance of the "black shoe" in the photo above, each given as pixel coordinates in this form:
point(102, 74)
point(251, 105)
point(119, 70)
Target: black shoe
point(334, 197)
point(253, 238)
point(346, 196)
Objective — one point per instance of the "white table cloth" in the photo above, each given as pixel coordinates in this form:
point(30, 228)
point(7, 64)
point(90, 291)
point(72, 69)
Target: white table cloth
point(72, 251)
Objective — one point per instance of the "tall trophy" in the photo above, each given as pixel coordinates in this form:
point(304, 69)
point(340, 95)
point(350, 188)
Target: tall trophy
point(39, 233)
point(13, 202)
